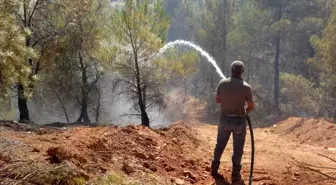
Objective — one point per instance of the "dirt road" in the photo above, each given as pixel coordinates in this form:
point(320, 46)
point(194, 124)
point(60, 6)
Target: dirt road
point(278, 160)
point(295, 152)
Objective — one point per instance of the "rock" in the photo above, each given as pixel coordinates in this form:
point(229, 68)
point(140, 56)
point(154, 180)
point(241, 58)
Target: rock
point(296, 174)
point(140, 155)
point(192, 162)
point(149, 139)
point(127, 168)
point(151, 156)
point(35, 149)
point(146, 165)
point(153, 168)
point(177, 181)
point(189, 175)
point(103, 169)
point(169, 168)
point(42, 131)
point(150, 166)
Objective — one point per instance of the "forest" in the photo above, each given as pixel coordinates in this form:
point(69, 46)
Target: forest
point(125, 92)
point(99, 61)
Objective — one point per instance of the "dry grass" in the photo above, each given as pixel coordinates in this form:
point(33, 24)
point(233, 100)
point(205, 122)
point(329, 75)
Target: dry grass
point(26, 173)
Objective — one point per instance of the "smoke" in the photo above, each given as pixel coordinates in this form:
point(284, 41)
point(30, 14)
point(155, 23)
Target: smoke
point(117, 108)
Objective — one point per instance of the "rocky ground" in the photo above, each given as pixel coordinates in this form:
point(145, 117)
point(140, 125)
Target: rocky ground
point(295, 151)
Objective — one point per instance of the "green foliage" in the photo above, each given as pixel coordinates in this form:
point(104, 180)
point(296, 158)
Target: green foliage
point(324, 64)
point(147, 25)
point(13, 50)
point(247, 26)
point(125, 41)
point(7, 111)
point(325, 59)
point(251, 31)
point(301, 94)
point(74, 73)
point(140, 31)
point(179, 63)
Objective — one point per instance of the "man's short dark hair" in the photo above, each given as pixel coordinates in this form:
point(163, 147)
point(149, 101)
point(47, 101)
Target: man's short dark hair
point(237, 67)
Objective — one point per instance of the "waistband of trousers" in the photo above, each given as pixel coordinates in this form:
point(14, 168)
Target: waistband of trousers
point(234, 115)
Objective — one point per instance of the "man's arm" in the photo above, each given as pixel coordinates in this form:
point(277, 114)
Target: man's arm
point(218, 95)
point(218, 98)
point(249, 100)
point(250, 107)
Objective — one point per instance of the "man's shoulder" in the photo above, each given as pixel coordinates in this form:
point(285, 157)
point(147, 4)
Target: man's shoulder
point(247, 85)
point(224, 80)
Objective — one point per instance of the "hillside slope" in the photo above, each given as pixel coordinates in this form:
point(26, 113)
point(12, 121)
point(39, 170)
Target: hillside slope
point(318, 132)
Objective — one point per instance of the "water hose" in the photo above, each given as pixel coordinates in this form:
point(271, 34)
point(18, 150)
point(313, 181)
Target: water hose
point(252, 146)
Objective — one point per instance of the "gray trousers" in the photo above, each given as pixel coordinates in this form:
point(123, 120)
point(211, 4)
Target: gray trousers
point(226, 126)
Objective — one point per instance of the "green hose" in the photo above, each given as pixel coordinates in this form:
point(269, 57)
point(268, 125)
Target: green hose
point(252, 152)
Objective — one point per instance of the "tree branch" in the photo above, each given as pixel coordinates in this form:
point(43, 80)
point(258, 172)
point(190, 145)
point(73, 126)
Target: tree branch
point(32, 13)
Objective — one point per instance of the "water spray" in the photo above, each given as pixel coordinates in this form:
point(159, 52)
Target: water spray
point(213, 62)
point(197, 48)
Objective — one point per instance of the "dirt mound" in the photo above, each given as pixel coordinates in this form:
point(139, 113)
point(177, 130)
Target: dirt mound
point(170, 152)
point(319, 132)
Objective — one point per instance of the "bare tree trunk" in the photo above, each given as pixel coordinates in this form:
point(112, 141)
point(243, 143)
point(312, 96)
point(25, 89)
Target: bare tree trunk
point(233, 10)
point(84, 94)
point(141, 101)
point(62, 104)
point(248, 66)
point(84, 112)
point(22, 100)
point(144, 96)
point(224, 35)
point(98, 106)
point(144, 118)
point(144, 115)
point(276, 64)
point(22, 105)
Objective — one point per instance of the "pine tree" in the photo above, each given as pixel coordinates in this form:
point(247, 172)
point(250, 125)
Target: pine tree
point(13, 51)
point(140, 28)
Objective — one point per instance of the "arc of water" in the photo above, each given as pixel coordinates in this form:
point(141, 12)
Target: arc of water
point(197, 48)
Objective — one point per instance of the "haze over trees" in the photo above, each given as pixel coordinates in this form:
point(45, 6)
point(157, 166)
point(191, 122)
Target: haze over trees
point(279, 41)
point(63, 58)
